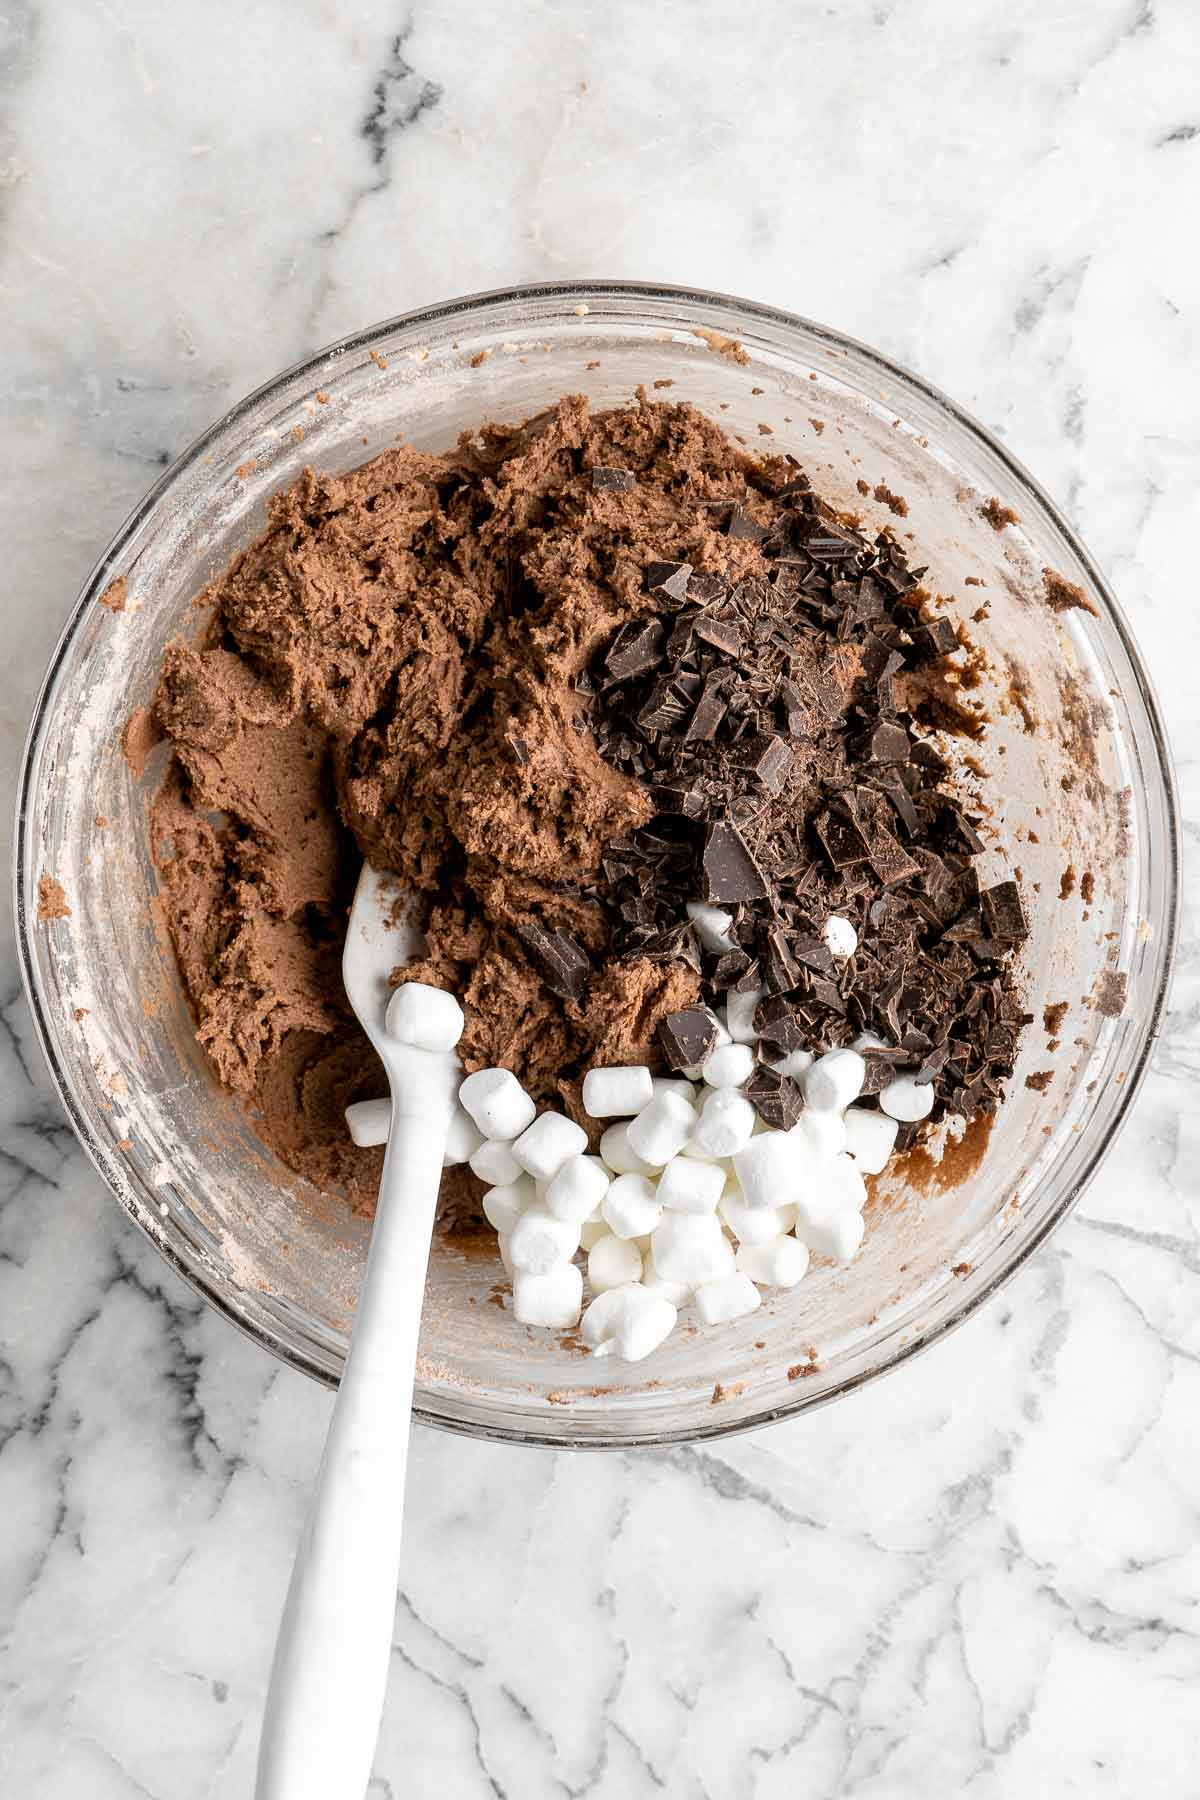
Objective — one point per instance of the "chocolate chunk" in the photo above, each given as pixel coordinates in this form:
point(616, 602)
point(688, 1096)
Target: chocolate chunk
point(612, 481)
point(729, 870)
point(778, 1022)
point(781, 969)
point(665, 709)
point(688, 1038)
point(558, 959)
point(710, 710)
point(635, 650)
point(670, 579)
point(721, 630)
point(729, 968)
point(768, 760)
point(705, 587)
point(776, 1098)
point(933, 638)
point(901, 799)
point(841, 840)
point(1003, 913)
point(814, 954)
point(741, 525)
point(886, 743)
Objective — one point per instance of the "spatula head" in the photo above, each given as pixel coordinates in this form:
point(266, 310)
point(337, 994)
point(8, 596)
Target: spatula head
point(375, 945)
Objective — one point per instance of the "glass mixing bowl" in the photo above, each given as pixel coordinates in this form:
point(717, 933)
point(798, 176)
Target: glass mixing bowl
point(1080, 777)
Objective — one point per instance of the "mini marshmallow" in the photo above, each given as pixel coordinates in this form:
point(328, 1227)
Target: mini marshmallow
point(870, 1040)
point(495, 1163)
point(630, 1208)
point(617, 1093)
point(726, 1122)
point(818, 1136)
point(661, 1129)
point(577, 1189)
point(504, 1205)
point(732, 1297)
point(712, 926)
point(615, 1151)
point(628, 1322)
point(427, 1017)
point(548, 1143)
point(780, 1263)
point(691, 1248)
point(689, 1186)
point(796, 1063)
point(462, 1139)
point(369, 1122)
point(770, 1169)
point(591, 1231)
point(729, 1066)
point(834, 1080)
point(839, 1236)
point(838, 1187)
point(677, 1292)
point(497, 1102)
point(840, 937)
point(539, 1241)
point(555, 1298)
point(754, 1225)
point(664, 1084)
point(907, 1100)
point(740, 1009)
point(612, 1261)
point(870, 1138)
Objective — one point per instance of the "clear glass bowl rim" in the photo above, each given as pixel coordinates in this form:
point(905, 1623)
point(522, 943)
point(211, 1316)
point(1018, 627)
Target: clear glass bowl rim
point(509, 300)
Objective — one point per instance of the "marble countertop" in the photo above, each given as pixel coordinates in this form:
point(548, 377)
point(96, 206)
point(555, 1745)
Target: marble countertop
point(982, 1574)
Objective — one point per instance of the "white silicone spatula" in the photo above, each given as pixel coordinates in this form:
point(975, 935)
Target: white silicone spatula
point(331, 1660)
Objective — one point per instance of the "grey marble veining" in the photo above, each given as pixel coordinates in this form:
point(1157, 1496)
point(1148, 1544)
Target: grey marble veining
point(981, 1575)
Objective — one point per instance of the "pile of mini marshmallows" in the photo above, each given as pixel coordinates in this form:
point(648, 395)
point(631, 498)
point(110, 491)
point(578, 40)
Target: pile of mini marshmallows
point(691, 1197)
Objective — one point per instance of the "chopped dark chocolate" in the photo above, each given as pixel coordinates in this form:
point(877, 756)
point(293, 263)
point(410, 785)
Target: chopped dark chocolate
point(635, 649)
point(688, 1038)
point(1003, 913)
point(558, 959)
point(933, 638)
point(612, 481)
point(729, 869)
point(742, 525)
point(670, 579)
point(776, 1098)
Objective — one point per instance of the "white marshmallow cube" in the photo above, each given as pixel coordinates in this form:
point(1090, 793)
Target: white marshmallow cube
point(770, 1169)
point(555, 1298)
point(661, 1129)
point(780, 1263)
point(870, 1138)
point(754, 1225)
point(726, 1122)
point(427, 1017)
point(497, 1102)
point(665, 1084)
point(740, 1009)
point(630, 1207)
point(591, 1231)
point(691, 1248)
point(834, 1081)
point(732, 1297)
point(548, 1143)
point(837, 1187)
point(495, 1163)
point(796, 1063)
point(840, 937)
point(907, 1100)
point(462, 1139)
point(729, 1066)
point(616, 1154)
point(677, 1292)
point(577, 1190)
point(712, 926)
point(818, 1136)
point(539, 1241)
point(627, 1322)
point(369, 1122)
point(689, 1186)
point(504, 1205)
point(839, 1236)
point(612, 1261)
point(617, 1093)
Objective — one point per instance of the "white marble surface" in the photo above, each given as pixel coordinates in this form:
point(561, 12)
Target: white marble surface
point(981, 1575)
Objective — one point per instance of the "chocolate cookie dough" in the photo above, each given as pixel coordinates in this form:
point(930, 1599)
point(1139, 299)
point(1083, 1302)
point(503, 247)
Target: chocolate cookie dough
point(430, 662)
